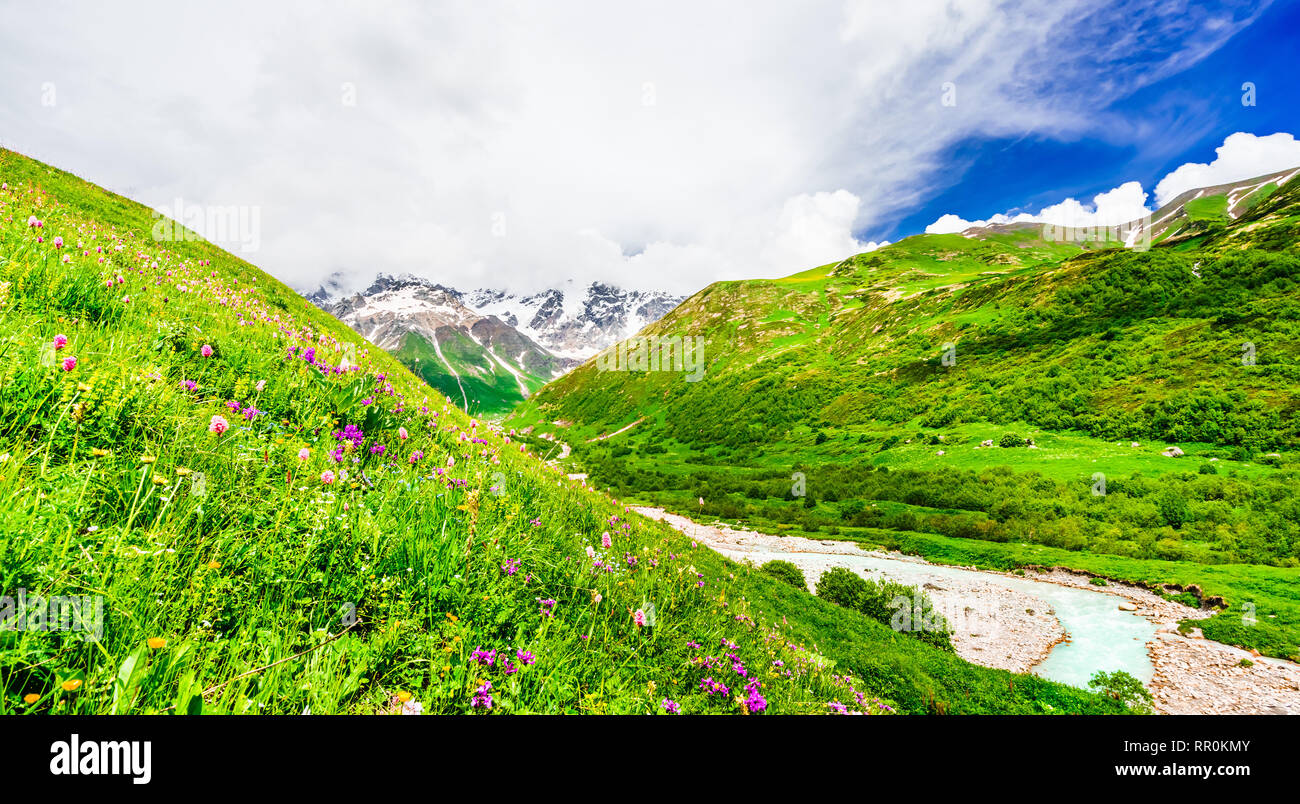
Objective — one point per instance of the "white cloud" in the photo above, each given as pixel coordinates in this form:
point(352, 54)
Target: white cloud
point(1242, 156)
point(525, 145)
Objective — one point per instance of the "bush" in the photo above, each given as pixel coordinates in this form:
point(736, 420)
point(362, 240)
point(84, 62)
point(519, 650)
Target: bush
point(1124, 688)
point(905, 609)
point(785, 571)
point(1011, 440)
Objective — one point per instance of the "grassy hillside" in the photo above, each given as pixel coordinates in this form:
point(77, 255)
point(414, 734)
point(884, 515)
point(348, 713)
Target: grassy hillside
point(275, 517)
point(1002, 390)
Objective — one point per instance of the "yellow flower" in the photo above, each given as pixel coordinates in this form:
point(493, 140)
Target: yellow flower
point(403, 696)
point(71, 684)
point(212, 565)
point(159, 481)
point(83, 387)
point(99, 453)
point(157, 642)
point(147, 459)
point(452, 617)
point(31, 698)
point(181, 471)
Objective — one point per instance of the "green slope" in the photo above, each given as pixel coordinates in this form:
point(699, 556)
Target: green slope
point(878, 379)
point(234, 578)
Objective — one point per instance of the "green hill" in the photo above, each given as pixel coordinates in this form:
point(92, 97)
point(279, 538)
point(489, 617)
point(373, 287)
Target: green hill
point(251, 510)
point(995, 389)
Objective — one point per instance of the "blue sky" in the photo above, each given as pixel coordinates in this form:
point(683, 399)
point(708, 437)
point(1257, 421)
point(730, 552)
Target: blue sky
point(1179, 119)
point(656, 144)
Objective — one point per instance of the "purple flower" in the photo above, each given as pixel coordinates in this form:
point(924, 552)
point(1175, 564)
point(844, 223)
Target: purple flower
point(524, 656)
point(670, 706)
point(483, 657)
point(482, 696)
point(511, 566)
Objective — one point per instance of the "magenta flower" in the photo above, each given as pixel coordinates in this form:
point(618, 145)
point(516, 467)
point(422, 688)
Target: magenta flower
point(605, 540)
point(58, 242)
point(69, 363)
point(327, 477)
point(206, 351)
point(670, 706)
point(60, 341)
point(639, 618)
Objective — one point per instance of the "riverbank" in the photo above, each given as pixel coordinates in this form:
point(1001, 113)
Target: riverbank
point(1010, 629)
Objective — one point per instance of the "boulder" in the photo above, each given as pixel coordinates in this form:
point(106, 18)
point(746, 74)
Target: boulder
point(1172, 452)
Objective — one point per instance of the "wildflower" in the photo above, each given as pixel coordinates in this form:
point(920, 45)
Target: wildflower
point(412, 708)
point(511, 566)
point(69, 363)
point(327, 477)
point(548, 607)
point(31, 698)
point(260, 385)
point(483, 696)
point(214, 565)
point(605, 540)
point(639, 618)
point(403, 696)
point(71, 685)
point(417, 455)
point(838, 708)
point(157, 642)
point(524, 657)
point(304, 454)
point(218, 425)
point(483, 657)
point(99, 453)
point(451, 461)
point(32, 221)
point(670, 706)
point(58, 242)
point(60, 341)
point(206, 351)
point(401, 432)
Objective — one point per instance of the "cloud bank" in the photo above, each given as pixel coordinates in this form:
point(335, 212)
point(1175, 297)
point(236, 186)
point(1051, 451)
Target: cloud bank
point(519, 145)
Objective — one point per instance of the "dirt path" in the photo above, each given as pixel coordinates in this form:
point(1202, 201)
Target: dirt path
point(998, 627)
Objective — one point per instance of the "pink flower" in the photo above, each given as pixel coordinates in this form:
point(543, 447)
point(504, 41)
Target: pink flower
point(69, 363)
point(206, 351)
point(639, 618)
point(605, 540)
point(401, 431)
point(260, 385)
point(60, 341)
point(32, 222)
point(304, 454)
point(451, 461)
point(218, 425)
point(58, 242)
point(327, 477)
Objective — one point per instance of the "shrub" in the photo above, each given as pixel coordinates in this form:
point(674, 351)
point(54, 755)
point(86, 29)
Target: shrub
point(904, 608)
point(785, 571)
point(1124, 688)
point(1011, 440)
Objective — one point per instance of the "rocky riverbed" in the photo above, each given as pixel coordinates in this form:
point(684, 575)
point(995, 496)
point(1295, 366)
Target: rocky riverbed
point(1009, 629)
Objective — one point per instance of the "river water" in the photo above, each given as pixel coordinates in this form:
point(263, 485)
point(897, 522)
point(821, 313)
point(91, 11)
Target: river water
point(1101, 636)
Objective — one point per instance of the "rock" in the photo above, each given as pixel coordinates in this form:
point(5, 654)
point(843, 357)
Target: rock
point(1128, 606)
point(987, 443)
point(1172, 452)
point(1135, 445)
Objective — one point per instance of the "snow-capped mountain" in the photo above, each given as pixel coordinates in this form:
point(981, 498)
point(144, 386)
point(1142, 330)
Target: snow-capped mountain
point(576, 324)
point(488, 349)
